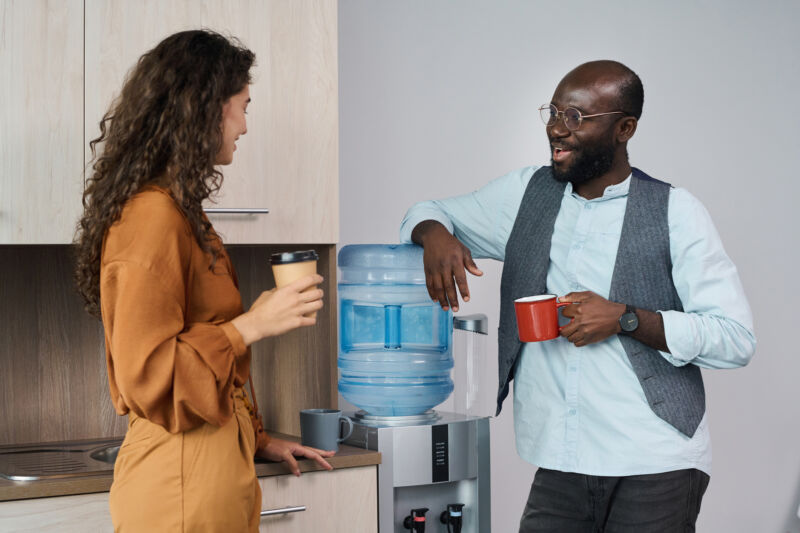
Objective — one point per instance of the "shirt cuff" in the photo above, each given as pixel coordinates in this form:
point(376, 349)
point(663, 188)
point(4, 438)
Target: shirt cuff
point(680, 335)
point(420, 215)
point(235, 338)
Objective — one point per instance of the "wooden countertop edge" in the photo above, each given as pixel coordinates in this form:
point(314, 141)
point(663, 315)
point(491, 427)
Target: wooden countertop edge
point(307, 465)
point(347, 457)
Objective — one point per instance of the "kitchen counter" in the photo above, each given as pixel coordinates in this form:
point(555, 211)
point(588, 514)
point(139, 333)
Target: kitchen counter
point(347, 457)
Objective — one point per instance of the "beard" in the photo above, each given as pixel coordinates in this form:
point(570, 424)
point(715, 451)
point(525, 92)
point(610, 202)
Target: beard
point(589, 162)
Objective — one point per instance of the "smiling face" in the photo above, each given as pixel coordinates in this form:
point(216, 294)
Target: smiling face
point(591, 151)
point(234, 124)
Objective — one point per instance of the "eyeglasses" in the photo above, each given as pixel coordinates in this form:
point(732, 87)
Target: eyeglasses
point(572, 117)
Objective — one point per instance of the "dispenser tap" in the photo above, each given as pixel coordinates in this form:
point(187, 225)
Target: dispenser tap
point(477, 323)
point(452, 516)
point(416, 520)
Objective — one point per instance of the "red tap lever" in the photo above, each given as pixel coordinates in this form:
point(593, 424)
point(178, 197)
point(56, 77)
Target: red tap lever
point(416, 520)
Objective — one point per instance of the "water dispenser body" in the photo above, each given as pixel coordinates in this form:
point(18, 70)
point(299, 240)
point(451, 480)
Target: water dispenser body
point(431, 465)
point(395, 343)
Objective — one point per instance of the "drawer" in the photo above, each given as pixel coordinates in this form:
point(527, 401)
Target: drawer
point(65, 514)
point(343, 500)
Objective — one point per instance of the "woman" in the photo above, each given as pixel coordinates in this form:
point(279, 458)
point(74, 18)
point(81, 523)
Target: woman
point(152, 268)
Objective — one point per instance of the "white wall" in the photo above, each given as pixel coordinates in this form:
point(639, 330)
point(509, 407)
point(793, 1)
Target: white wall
point(438, 97)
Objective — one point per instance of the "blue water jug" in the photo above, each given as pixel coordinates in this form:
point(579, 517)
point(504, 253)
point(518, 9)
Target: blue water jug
point(395, 343)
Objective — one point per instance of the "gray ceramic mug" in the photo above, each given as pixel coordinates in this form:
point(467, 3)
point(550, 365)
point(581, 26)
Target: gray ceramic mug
point(319, 428)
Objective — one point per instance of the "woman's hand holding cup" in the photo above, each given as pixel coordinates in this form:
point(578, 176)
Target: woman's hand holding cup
point(278, 311)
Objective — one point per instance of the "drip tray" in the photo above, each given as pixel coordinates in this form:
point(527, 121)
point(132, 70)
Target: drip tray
point(428, 417)
point(59, 460)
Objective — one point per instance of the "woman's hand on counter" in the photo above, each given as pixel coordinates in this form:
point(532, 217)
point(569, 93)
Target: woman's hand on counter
point(285, 450)
point(278, 311)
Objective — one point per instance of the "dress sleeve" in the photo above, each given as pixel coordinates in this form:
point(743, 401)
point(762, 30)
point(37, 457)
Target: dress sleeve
point(176, 374)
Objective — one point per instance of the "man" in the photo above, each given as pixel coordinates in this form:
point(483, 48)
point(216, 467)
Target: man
point(613, 411)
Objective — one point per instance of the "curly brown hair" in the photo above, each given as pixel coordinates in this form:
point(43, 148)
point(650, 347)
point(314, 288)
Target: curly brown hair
point(165, 126)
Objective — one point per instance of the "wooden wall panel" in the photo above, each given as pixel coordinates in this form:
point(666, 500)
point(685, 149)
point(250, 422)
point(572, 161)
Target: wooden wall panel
point(53, 383)
point(297, 370)
point(53, 380)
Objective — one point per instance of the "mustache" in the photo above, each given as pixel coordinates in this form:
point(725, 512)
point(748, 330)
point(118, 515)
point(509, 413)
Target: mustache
point(561, 145)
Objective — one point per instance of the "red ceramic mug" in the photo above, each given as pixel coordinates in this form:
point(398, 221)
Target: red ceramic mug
point(537, 317)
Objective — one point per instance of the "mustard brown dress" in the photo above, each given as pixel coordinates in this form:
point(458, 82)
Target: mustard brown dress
point(177, 367)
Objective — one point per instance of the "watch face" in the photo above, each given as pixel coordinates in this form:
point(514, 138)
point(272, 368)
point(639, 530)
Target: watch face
point(629, 322)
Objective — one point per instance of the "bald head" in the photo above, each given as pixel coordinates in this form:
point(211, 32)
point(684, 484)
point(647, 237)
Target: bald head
point(612, 78)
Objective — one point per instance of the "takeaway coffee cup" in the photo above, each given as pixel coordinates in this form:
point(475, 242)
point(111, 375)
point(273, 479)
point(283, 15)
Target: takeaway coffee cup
point(537, 317)
point(291, 266)
point(320, 428)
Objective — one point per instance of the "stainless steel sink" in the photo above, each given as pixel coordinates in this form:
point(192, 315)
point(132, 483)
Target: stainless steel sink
point(59, 460)
point(107, 454)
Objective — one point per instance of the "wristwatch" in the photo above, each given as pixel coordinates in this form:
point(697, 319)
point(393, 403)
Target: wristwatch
point(628, 322)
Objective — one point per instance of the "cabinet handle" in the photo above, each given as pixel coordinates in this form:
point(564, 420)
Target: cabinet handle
point(236, 210)
point(285, 510)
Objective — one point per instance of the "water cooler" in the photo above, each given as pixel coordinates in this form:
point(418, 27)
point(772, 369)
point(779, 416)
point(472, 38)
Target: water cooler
point(395, 362)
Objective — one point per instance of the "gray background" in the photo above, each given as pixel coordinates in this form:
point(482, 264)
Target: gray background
point(438, 97)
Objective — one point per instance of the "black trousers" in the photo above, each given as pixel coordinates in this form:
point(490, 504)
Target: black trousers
point(564, 502)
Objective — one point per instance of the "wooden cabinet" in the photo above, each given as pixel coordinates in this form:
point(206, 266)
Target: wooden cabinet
point(41, 120)
point(65, 514)
point(288, 160)
point(342, 501)
point(63, 62)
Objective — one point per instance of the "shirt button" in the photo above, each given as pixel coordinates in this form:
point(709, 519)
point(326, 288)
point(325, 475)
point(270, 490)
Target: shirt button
point(576, 246)
point(572, 412)
point(573, 369)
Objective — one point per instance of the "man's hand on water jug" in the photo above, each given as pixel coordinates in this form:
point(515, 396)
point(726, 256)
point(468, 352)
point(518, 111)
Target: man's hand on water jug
point(446, 261)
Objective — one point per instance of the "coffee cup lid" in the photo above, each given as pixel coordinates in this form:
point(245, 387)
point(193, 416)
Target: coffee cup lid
point(293, 257)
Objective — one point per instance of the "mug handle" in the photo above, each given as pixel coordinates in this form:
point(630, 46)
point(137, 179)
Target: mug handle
point(350, 431)
point(559, 305)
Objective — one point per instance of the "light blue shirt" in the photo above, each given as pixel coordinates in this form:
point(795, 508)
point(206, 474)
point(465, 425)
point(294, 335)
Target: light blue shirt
point(583, 409)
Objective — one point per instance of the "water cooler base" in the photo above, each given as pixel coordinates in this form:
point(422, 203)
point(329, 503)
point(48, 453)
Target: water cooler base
point(429, 462)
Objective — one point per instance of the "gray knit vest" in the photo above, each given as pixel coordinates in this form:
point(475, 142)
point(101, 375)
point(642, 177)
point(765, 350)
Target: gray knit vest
point(642, 278)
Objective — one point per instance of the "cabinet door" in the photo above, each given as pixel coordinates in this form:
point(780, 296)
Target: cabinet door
point(65, 514)
point(288, 160)
point(342, 501)
point(41, 120)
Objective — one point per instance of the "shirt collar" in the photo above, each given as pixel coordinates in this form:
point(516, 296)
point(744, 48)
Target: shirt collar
point(612, 191)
